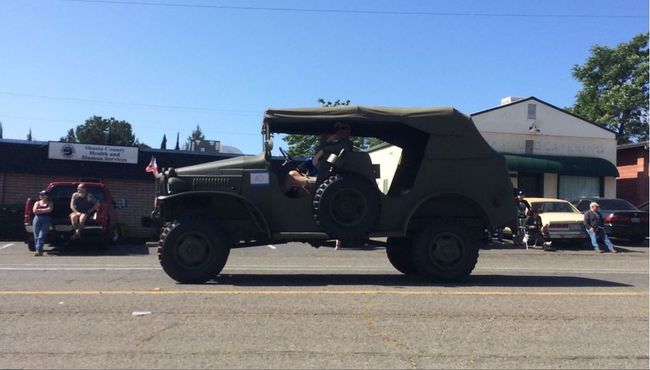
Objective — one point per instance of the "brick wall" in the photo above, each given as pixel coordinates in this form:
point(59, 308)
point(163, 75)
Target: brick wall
point(15, 188)
point(25, 168)
point(633, 181)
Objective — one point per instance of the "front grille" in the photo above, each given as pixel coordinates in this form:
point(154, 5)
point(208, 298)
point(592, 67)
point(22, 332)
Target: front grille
point(577, 226)
point(211, 183)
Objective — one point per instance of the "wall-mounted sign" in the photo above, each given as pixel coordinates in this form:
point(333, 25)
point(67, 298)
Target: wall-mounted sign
point(92, 152)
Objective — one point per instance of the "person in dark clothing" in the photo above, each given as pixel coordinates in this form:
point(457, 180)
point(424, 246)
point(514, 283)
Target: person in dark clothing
point(82, 205)
point(533, 227)
point(594, 225)
point(340, 141)
point(523, 208)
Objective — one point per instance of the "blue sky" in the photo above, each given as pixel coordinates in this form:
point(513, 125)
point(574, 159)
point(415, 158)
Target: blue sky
point(167, 65)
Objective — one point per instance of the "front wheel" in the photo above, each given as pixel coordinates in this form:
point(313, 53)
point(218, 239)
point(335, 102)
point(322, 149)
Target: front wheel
point(445, 252)
point(191, 252)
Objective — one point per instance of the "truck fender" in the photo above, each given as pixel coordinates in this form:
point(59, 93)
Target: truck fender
point(254, 212)
point(456, 198)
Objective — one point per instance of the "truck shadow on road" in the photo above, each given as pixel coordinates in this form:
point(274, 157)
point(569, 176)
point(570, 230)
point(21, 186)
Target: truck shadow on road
point(304, 280)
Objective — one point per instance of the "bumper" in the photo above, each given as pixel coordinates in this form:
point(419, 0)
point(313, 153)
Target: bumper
point(564, 234)
point(65, 229)
point(627, 231)
point(63, 233)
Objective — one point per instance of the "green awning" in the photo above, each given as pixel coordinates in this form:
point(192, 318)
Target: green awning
point(575, 166)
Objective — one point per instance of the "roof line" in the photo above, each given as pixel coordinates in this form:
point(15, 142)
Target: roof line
point(633, 145)
point(545, 103)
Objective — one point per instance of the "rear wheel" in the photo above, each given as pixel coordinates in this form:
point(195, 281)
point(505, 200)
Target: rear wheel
point(191, 252)
point(445, 252)
point(400, 255)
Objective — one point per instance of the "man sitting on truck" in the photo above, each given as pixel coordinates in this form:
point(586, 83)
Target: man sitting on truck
point(300, 181)
point(83, 205)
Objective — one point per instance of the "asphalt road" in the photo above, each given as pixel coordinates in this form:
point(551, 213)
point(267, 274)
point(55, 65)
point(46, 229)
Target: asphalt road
point(292, 306)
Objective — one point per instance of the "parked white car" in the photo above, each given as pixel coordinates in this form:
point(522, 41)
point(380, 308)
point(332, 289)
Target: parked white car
point(560, 219)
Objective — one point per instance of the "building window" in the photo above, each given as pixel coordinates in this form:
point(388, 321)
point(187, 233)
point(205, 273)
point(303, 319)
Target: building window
point(573, 187)
point(532, 111)
point(529, 146)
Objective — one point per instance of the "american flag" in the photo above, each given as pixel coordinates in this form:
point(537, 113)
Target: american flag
point(153, 166)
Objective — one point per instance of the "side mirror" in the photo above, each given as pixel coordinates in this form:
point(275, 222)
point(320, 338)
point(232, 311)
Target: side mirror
point(268, 147)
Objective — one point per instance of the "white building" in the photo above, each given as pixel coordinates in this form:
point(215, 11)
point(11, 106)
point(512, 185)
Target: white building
point(550, 152)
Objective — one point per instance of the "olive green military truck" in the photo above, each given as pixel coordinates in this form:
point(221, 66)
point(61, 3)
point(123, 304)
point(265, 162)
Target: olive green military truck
point(449, 188)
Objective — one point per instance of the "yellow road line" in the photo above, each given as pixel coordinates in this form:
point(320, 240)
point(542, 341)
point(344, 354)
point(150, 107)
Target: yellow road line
point(320, 292)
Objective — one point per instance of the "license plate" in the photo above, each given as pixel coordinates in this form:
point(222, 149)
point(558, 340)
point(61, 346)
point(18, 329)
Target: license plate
point(635, 220)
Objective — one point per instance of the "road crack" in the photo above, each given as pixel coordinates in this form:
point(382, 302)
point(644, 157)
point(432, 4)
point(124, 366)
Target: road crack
point(405, 352)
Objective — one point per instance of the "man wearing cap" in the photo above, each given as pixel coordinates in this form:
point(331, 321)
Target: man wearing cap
point(595, 228)
point(523, 206)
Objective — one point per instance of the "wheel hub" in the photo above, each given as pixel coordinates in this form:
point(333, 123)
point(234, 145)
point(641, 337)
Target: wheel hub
point(446, 250)
point(193, 251)
point(348, 207)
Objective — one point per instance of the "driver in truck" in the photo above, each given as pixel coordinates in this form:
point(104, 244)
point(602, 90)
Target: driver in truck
point(301, 180)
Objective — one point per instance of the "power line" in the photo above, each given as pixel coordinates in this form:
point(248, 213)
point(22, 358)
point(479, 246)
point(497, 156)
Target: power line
point(145, 125)
point(131, 104)
point(353, 11)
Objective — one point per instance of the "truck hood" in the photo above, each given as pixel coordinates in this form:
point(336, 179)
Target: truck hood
point(224, 166)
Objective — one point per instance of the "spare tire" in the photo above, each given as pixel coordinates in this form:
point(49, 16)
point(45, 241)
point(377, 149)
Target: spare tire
point(346, 206)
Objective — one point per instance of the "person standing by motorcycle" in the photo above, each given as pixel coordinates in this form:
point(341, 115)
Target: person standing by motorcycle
point(523, 209)
point(596, 228)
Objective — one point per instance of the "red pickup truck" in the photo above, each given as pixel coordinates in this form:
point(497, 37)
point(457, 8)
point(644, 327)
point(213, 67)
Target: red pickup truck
point(101, 227)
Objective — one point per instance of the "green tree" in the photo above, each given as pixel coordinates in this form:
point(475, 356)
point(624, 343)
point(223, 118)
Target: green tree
point(197, 134)
point(163, 143)
point(615, 89)
point(98, 130)
point(306, 145)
